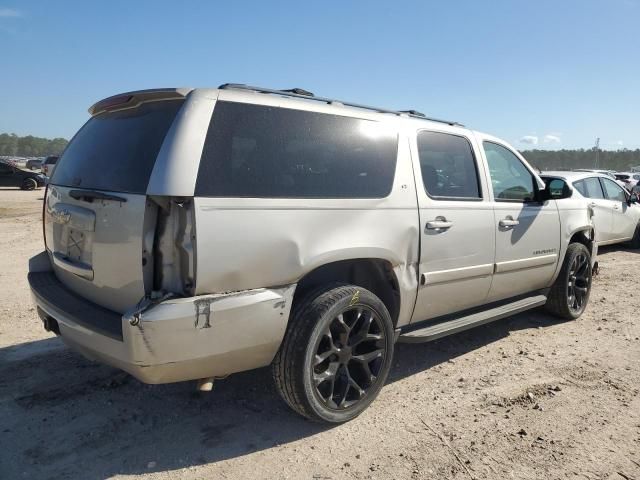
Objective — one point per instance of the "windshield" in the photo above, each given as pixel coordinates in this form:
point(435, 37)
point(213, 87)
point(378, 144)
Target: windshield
point(116, 151)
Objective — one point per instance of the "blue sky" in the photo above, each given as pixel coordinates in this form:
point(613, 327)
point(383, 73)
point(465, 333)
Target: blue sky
point(556, 72)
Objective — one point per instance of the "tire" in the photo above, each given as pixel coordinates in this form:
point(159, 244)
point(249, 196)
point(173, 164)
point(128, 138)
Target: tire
point(635, 241)
point(336, 354)
point(570, 292)
point(29, 184)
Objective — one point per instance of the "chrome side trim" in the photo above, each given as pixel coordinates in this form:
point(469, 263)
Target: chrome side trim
point(526, 263)
point(453, 274)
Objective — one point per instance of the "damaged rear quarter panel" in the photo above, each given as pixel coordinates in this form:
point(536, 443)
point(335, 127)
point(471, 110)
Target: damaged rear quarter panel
point(246, 243)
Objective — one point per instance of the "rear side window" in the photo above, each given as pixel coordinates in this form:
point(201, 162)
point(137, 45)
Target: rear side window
point(261, 151)
point(117, 150)
point(448, 166)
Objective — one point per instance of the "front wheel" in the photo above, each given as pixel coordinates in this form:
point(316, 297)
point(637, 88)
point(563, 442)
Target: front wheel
point(336, 354)
point(569, 294)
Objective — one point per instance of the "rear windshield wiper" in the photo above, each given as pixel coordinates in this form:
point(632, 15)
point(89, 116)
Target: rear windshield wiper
point(91, 195)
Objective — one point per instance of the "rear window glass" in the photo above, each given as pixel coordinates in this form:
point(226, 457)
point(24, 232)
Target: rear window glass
point(261, 151)
point(117, 150)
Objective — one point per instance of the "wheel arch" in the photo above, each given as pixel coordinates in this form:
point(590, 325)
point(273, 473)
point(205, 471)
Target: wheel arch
point(375, 274)
point(585, 236)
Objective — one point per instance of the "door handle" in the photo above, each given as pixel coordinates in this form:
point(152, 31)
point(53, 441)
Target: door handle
point(616, 207)
point(593, 204)
point(508, 222)
point(440, 223)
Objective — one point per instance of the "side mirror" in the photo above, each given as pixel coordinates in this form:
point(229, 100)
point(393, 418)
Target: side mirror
point(556, 189)
point(633, 198)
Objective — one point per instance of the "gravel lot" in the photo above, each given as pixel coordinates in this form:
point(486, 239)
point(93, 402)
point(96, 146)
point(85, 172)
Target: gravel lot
point(527, 397)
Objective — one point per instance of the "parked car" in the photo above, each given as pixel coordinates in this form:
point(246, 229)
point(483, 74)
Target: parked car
point(191, 234)
point(49, 165)
point(629, 179)
point(35, 163)
point(616, 211)
point(12, 176)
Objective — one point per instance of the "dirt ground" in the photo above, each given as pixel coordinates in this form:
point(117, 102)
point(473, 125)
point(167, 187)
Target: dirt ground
point(527, 397)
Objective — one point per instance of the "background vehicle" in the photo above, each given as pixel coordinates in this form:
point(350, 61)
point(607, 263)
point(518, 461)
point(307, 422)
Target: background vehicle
point(191, 234)
point(49, 165)
point(12, 176)
point(35, 163)
point(629, 179)
point(616, 211)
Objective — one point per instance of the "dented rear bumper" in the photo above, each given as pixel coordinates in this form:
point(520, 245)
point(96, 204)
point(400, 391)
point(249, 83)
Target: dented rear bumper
point(173, 340)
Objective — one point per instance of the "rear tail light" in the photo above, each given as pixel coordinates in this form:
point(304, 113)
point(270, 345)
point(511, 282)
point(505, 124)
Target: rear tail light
point(173, 247)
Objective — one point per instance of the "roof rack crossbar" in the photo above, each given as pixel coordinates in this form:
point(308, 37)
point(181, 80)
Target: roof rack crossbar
point(309, 96)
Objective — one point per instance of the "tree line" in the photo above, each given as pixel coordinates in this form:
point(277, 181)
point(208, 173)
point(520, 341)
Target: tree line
point(13, 145)
point(618, 160)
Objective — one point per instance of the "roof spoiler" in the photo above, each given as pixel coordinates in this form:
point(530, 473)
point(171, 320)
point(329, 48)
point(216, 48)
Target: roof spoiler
point(133, 99)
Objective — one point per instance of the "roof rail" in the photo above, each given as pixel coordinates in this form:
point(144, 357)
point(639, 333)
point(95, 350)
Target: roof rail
point(415, 113)
point(304, 94)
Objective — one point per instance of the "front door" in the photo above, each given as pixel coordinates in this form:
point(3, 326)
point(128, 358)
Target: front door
point(624, 223)
point(456, 217)
point(527, 232)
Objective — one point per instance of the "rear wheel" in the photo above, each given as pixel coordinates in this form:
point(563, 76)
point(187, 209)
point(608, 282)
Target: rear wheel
point(29, 184)
point(336, 354)
point(569, 294)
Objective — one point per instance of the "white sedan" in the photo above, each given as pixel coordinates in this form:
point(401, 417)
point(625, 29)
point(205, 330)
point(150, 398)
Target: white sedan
point(616, 214)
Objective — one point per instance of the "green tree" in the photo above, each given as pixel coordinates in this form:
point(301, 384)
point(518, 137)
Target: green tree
point(30, 146)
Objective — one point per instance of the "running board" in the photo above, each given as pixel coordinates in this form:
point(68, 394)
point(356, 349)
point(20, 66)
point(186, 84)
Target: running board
point(442, 329)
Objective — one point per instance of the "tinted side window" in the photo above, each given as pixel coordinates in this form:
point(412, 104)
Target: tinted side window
point(261, 151)
point(510, 179)
point(116, 150)
point(594, 189)
point(5, 168)
point(448, 166)
point(613, 190)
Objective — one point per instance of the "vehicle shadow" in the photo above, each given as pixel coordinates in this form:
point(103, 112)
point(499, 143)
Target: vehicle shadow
point(66, 417)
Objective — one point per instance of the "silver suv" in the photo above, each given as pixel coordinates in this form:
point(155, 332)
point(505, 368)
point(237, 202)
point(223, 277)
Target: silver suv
point(191, 234)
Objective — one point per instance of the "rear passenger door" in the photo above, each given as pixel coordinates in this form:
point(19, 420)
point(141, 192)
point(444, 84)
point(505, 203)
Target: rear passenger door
point(602, 212)
point(456, 221)
point(527, 231)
